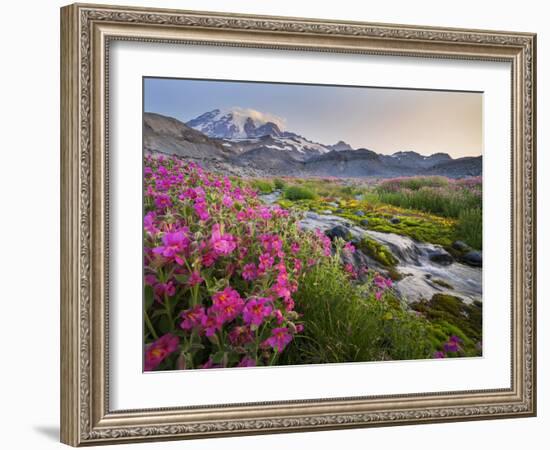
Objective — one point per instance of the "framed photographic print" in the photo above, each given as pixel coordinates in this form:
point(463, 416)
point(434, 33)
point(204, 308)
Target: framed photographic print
point(277, 224)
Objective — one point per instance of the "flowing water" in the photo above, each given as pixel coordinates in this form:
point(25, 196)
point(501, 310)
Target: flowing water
point(419, 272)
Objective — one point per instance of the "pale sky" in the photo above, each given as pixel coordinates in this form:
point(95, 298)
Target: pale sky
point(383, 120)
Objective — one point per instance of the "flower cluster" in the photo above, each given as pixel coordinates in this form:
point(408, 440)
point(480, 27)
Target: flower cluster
point(220, 270)
point(452, 346)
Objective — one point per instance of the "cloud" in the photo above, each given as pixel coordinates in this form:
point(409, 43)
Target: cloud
point(240, 114)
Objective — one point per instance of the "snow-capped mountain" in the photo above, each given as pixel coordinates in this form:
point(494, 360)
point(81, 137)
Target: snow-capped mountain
point(237, 123)
point(248, 129)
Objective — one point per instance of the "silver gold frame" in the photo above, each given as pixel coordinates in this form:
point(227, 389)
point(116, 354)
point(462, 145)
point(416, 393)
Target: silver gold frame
point(86, 34)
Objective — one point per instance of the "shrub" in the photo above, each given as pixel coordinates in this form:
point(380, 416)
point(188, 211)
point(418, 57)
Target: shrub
point(279, 184)
point(298, 193)
point(263, 186)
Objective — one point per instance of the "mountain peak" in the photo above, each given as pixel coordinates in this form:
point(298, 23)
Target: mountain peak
point(237, 123)
point(340, 146)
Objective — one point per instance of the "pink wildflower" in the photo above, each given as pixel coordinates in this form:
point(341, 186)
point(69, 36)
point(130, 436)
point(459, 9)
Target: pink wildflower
point(247, 362)
point(279, 339)
point(156, 352)
point(223, 244)
point(174, 244)
point(255, 311)
point(249, 272)
point(228, 304)
point(192, 317)
point(195, 279)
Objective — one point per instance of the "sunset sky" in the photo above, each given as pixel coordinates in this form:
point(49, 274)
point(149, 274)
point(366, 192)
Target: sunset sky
point(383, 120)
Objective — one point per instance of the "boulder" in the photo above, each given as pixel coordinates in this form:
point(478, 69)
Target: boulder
point(364, 222)
point(473, 258)
point(333, 204)
point(359, 213)
point(461, 246)
point(338, 231)
point(441, 257)
point(327, 212)
point(338, 211)
point(395, 220)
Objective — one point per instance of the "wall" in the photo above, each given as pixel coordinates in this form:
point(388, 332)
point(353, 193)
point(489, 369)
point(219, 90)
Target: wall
point(30, 225)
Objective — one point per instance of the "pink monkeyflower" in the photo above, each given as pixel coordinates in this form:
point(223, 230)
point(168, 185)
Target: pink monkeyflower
point(192, 318)
point(439, 355)
point(289, 303)
point(162, 289)
point(264, 213)
point(163, 201)
point(156, 352)
point(228, 304)
point(249, 272)
point(222, 244)
point(175, 243)
point(149, 223)
point(202, 212)
point(195, 278)
point(380, 281)
point(282, 289)
point(210, 365)
point(297, 265)
point(247, 362)
point(211, 323)
point(240, 335)
point(266, 261)
point(255, 311)
point(349, 247)
point(208, 259)
point(227, 201)
point(295, 247)
point(350, 270)
point(279, 339)
point(243, 251)
point(150, 279)
point(378, 295)
point(278, 316)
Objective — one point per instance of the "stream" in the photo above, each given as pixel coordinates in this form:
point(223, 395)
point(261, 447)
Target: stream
point(414, 263)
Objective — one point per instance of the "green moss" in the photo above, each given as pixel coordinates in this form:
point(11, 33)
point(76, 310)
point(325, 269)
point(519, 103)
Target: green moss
point(378, 252)
point(450, 315)
point(442, 283)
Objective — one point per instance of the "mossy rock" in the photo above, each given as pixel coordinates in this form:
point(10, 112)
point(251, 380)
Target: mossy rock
point(442, 283)
point(450, 315)
point(378, 252)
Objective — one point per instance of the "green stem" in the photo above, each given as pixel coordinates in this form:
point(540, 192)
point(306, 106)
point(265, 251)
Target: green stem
point(149, 324)
point(168, 311)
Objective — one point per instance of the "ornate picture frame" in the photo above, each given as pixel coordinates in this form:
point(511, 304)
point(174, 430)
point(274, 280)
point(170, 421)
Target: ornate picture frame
point(87, 31)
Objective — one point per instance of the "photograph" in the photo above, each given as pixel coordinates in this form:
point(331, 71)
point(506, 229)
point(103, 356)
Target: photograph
point(288, 224)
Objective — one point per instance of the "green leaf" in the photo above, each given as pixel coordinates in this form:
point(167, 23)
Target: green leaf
point(149, 296)
point(218, 357)
point(164, 325)
point(182, 278)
